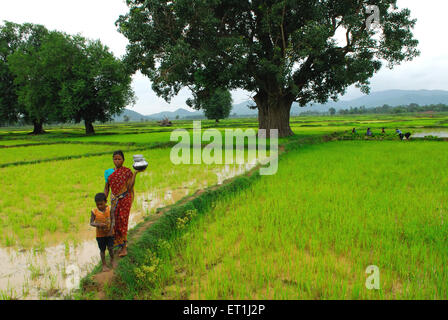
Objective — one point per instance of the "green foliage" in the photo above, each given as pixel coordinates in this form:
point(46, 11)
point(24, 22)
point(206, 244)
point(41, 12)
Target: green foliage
point(12, 38)
point(311, 233)
point(55, 77)
point(99, 86)
point(217, 103)
point(386, 109)
point(181, 223)
point(39, 73)
point(140, 271)
point(283, 50)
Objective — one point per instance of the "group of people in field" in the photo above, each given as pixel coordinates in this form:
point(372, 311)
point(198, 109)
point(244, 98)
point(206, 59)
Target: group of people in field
point(111, 222)
point(369, 133)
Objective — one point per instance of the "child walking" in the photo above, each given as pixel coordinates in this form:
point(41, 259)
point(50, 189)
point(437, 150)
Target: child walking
point(104, 222)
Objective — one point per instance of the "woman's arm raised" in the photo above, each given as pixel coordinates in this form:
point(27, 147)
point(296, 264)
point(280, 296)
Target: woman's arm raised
point(106, 189)
point(131, 181)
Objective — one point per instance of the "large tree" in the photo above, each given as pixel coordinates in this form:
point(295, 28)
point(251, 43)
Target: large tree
point(54, 77)
point(280, 50)
point(12, 37)
point(99, 86)
point(39, 72)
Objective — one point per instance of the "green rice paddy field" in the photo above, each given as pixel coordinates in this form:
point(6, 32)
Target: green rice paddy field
point(307, 232)
point(311, 230)
point(51, 201)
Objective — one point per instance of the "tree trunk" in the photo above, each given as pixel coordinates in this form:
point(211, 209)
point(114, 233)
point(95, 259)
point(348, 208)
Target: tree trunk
point(89, 127)
point(274, 113)
point(216, 120)
point(38, 127)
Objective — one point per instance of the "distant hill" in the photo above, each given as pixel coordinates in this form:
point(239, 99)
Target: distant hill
point(133, 116)
point(171, 114)
point(392, 98)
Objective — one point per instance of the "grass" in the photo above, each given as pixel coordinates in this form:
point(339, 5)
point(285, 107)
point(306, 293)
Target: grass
point(47, 203)
point(311, 230)
point(11, 155)
point(17, 142)
point(8, 294)
point(51, 201)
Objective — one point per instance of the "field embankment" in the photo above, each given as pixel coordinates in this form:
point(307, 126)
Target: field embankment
point(308, 232)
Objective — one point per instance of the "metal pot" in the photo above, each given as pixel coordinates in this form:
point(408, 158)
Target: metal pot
point(139, 162)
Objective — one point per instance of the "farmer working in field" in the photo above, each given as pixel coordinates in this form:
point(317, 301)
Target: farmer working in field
point(400, 134)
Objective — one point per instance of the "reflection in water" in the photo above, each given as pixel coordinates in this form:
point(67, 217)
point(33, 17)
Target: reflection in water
point(439, 134)
point(41, 275)
point(228, 173)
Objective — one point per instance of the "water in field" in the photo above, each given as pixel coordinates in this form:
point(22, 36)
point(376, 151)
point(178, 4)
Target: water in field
point(52, 272)
point(46, 274)
point(433, 133)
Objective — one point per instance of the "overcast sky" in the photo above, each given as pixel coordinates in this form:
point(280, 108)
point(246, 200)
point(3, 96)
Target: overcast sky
point(95, 19)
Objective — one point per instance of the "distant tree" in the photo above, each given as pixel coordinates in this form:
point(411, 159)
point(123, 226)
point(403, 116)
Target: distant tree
point(126, 118)
point(39, 74)
point(332, 111)
point(216, 103)
point(12, 37)
point(177, 117)
point(283, 51)
point(99, 86)
point(51, 76)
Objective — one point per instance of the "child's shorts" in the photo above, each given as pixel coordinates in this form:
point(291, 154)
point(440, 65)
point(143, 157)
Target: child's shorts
point(104, 242)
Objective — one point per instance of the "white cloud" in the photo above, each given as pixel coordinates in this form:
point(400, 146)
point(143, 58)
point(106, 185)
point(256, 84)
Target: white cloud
point(95, 19)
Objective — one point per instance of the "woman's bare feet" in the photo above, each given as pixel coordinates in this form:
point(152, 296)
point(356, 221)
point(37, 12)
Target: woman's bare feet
point(105, 269)
point(123, 252)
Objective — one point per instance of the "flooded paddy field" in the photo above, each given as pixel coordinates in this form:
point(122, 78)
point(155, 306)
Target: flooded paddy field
point(46, 243)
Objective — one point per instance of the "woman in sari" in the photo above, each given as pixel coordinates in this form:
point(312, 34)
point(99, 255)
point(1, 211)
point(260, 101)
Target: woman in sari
point(121, 183)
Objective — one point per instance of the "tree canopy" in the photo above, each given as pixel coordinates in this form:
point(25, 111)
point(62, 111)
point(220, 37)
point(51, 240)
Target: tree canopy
point(99, 85)
point(39, 73)
point(216, 103)
point(280, 50)
point(12, 37)
point(50, 76)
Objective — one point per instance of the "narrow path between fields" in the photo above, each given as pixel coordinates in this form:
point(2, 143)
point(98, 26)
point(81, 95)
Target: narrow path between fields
point(103, 278)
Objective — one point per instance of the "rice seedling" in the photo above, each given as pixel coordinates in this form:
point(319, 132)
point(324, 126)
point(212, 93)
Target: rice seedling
point(25, 289)
point(35, 271)
point(17, 142)
point(8, 294)
point(311, 231)
point(47, 202)
point(31, 153)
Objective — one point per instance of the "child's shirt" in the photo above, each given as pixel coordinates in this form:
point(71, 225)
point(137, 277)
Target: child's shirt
point(103, 217)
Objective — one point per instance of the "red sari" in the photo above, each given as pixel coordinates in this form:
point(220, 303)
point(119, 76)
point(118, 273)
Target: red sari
point(121, 200)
